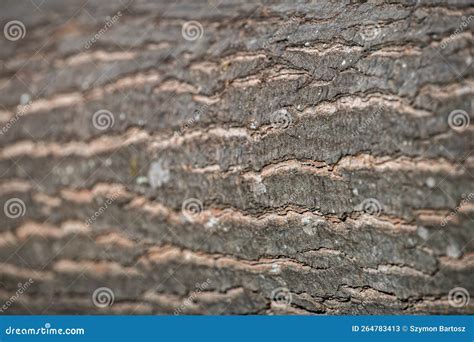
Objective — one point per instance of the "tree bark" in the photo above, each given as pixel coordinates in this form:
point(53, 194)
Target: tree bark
point(233, 157)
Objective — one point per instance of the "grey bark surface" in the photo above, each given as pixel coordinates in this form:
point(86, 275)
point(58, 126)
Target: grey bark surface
point(288, 157)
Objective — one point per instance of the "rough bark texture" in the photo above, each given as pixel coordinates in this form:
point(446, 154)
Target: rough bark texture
point(297, 157)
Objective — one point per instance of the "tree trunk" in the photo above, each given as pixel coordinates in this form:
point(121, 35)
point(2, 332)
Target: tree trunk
point(232, 157)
